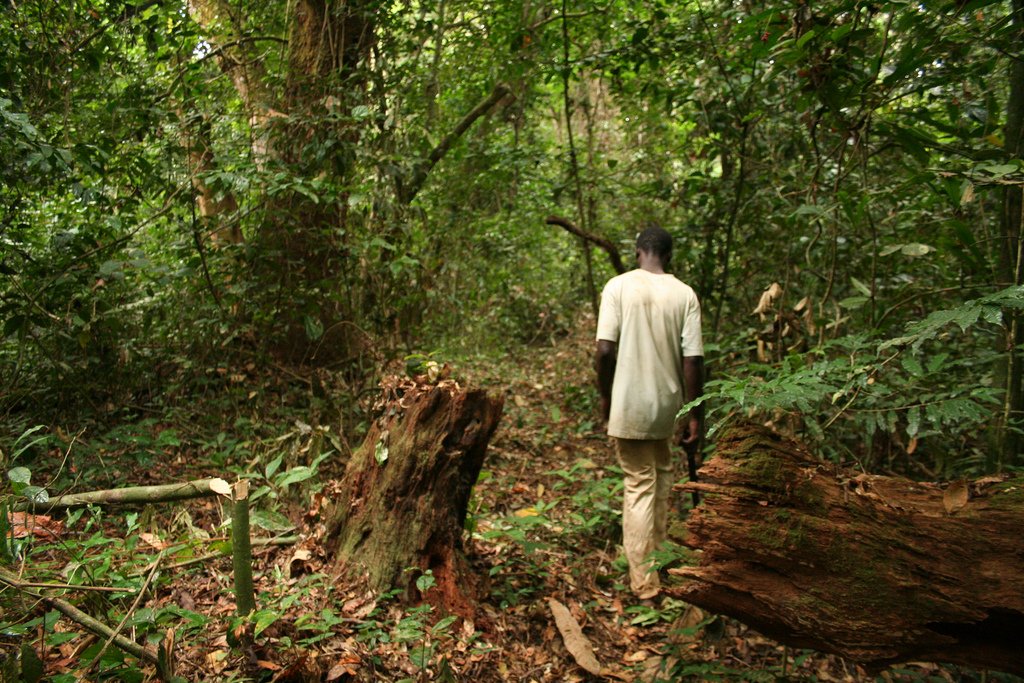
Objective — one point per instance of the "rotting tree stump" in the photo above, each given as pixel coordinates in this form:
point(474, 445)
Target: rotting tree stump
point(403, 500)
point(876, 569)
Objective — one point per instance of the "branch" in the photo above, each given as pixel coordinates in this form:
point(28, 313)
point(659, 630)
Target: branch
point(423, 168)
point(134, 494)
point(607, 245)
point(124, 620)
point(81, 618)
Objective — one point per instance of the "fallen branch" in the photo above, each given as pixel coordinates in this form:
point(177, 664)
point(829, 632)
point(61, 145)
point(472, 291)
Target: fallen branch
point(131, 610)
point(280, 540)
point(161, 493)
point(607, 245)
point(82, 619)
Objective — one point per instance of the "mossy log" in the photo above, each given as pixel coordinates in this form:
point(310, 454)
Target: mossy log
point(876, 569)
point(403, 500)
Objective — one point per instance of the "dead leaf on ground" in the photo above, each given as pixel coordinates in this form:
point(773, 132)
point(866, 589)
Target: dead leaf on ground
point(685, 626)
point(153, 540)
point(24, 524)
point(572, 635)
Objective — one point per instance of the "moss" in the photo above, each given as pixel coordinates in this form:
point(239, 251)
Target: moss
point(1007, 495)
point(781, 530)
point(763, 470)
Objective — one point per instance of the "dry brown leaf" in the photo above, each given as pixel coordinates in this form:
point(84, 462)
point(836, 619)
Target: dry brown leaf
point(217, 660)
point(572, 635)
point(153, 540)
point(24, 524)
point(955, 496)
point(689, 619)
point(768, 297)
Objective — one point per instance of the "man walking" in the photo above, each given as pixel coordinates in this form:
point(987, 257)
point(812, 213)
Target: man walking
point(650, 358)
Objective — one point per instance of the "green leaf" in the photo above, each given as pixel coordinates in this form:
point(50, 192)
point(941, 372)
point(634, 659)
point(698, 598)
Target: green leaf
point(380, 452)
point(860, 287)
point(36, 494)
point(272, 466)
point(295, 475)
point(912, 365)
point(262, 619)
point(314, 328)
point(31, 666)
point(20, 475)
point(853, 302)
point(913, 421)
point(425, 582)
point(270, 520)
point(444, 624)
point(805, 38)
point(916, 249)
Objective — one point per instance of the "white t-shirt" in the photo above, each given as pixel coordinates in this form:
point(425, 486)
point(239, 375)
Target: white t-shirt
point(655, 320)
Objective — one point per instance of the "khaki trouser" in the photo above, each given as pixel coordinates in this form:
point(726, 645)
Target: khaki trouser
point(648, 480)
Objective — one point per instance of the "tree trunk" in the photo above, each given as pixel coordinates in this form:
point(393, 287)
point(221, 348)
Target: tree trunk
point(1011, 261)
point(876, 569)
point(403, 499)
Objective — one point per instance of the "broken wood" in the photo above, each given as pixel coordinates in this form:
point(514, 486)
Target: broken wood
point(403, 500)
point(876, 569)
point(161, 493)
point(241, 549)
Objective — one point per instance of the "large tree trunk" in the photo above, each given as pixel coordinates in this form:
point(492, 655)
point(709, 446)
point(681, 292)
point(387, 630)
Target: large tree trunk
point(402, 502)
point(1011, 259)
point(876, 569)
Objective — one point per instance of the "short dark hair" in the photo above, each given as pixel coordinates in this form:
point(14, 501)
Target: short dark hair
point(655, 240)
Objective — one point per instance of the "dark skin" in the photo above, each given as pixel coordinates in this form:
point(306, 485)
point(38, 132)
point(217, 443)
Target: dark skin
point(692, 431)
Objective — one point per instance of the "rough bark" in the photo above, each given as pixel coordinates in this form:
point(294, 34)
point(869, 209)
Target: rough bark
point(1011, 258)
point(403, 500)
point(876, 569)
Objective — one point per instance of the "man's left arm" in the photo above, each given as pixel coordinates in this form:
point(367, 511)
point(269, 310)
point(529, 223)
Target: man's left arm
point(693, 388)
point(693, 378)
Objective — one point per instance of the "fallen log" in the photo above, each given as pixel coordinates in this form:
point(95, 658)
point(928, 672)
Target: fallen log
point(876, 569)
point(402, 502)
point(159, 493)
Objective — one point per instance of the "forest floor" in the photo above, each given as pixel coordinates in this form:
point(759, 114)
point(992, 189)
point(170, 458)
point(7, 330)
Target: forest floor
point(543, 525)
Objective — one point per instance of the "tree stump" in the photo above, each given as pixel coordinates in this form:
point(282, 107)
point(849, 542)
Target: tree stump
point(876, 569)
point(403, 499)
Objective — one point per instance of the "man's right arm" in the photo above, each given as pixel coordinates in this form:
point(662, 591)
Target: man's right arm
point(604, 361)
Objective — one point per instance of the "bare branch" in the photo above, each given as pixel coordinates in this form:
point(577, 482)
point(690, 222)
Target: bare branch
point(607, 245)
point(423, 168)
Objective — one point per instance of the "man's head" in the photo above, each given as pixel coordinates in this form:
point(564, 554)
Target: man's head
point(655, 241)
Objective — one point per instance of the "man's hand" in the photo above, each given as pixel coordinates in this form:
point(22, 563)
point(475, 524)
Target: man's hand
point(691, 436)
point(606, 409)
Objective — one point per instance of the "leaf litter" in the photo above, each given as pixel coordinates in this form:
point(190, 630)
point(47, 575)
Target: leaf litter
point(543, 527)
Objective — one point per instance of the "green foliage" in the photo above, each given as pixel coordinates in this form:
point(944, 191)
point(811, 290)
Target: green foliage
point(902, 389)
